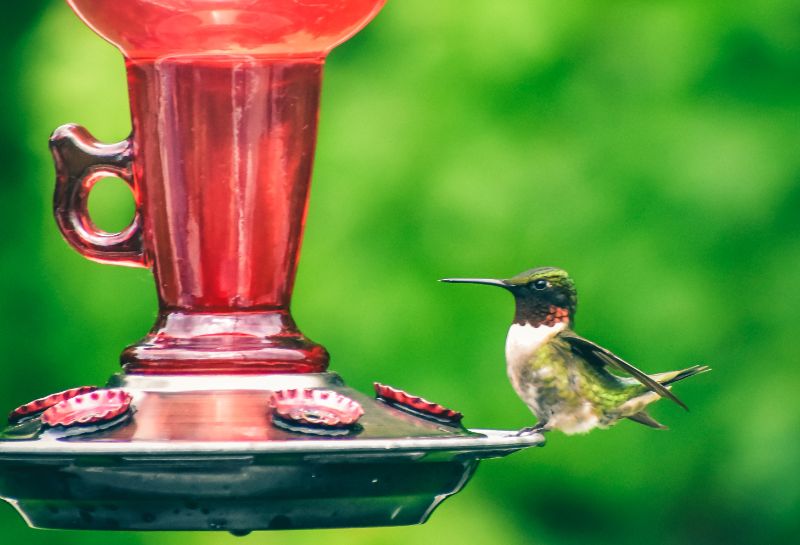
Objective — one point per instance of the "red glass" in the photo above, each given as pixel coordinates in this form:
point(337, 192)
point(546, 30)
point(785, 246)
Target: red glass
point(224, 104)
point(267, 28)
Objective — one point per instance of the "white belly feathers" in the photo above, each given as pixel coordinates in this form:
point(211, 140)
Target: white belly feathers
point(521, 344)
point(524, 340)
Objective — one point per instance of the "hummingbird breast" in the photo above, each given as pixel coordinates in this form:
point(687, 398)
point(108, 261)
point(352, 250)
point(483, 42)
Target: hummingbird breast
point(532, 372)
point(524, 340)
point(546, 378)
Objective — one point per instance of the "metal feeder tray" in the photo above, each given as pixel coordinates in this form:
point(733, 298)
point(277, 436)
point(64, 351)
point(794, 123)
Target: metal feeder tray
point(200, 453)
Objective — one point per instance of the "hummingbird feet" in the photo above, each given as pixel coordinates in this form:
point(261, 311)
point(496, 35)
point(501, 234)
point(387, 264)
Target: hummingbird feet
point(538, 428)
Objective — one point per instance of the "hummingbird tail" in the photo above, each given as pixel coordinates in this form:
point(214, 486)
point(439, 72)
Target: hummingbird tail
point(643, 418)
point(674, 376)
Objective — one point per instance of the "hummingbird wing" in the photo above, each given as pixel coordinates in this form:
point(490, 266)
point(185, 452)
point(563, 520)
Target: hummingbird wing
point(599, 356)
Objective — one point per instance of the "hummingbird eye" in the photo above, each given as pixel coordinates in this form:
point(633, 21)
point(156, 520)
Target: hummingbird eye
point(541, 284)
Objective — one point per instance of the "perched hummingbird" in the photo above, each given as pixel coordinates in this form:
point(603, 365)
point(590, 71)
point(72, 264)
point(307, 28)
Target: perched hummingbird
point(566, 380)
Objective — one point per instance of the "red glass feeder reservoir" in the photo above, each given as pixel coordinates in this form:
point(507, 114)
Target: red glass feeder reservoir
point(224, 416)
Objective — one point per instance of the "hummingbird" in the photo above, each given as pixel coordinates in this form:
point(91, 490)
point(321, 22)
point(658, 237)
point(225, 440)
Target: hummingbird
point(565, 379)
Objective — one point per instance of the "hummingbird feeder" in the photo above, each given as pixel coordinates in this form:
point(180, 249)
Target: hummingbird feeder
point(224, 416)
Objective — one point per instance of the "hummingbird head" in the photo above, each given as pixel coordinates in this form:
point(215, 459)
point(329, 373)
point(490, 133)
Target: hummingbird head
point(545, 295)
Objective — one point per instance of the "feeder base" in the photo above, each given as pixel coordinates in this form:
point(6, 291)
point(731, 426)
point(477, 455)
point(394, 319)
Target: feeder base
point(173, 466)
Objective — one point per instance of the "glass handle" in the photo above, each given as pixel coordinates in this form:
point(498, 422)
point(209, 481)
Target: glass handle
point(81, 161)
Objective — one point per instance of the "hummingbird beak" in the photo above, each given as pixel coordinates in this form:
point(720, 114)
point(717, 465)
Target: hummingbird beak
point(487, 281)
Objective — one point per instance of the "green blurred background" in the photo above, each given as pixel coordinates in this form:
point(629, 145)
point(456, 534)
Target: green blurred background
point(650, 148)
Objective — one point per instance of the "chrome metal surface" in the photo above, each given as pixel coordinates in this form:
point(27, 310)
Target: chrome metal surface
point(489, 442)
point(240, 487)
point(201, 383)
point(200, 453)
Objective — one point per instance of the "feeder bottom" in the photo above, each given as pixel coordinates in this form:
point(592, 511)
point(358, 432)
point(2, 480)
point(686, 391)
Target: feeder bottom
point(376, 495)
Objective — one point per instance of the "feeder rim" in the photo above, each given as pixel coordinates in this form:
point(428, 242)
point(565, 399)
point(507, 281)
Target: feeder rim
point(486, 441)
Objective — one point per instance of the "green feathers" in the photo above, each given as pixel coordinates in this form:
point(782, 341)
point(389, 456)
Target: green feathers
point(569, 382)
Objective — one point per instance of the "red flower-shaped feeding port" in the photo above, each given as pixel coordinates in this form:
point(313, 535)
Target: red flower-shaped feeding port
point(314, 409)
point(37, 406)
point(417, 405)
point(90, 408)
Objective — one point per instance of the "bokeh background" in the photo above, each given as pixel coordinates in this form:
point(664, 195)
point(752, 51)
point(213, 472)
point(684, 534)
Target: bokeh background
point(650, 148)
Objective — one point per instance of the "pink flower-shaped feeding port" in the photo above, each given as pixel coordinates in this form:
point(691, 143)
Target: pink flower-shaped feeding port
point(37, 406)
point(417, 405)
point(311, 411)
point(89, 408)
